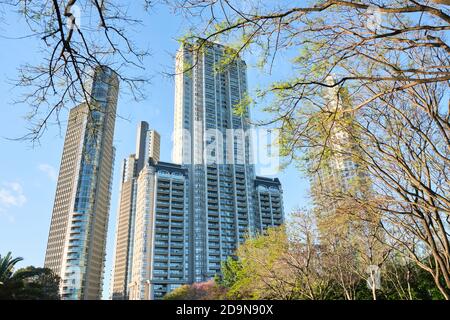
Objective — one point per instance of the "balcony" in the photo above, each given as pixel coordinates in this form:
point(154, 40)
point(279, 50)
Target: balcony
point(177, 231)
point(163, 216)
point(178, 218)
point(177, 245)
point(162, 204)
point(163, 191)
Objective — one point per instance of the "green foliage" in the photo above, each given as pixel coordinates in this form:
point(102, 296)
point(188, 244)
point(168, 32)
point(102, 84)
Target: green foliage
point(241, 108)
point(264, 269)
point(181, 293)
point(208, 290)
point(7, 264)
point(231, 269)
point(271, 266)
point(29, 283)
point(260, 271)
point(407, 281)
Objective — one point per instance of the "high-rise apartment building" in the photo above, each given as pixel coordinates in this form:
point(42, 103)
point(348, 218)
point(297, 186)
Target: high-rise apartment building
point(269, 203)
point(211, 139)
point(147, 146)
point(161, 233)
point(77, 237)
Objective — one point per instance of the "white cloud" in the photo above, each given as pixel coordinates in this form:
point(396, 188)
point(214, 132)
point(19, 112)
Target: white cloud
point(49, 170)
point(11, 195)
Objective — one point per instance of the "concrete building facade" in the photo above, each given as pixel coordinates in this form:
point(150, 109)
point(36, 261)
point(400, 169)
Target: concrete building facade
point(147, 146)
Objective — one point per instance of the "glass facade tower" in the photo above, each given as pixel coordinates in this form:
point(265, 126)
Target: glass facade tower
point(77, 237)
point(213, 142)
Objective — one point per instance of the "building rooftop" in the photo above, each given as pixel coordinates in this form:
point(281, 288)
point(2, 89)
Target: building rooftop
point(267, 181)
point(170, 167)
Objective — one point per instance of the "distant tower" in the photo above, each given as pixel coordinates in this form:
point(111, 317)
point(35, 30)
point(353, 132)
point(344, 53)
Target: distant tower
point(147, 146)
point(77, 237)
point(340, 172)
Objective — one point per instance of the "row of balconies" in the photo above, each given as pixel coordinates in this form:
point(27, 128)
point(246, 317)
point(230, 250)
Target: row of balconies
point(166, 237)
point(161, 206)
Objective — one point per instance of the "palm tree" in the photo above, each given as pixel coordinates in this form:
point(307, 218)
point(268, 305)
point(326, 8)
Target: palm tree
point(7, 264)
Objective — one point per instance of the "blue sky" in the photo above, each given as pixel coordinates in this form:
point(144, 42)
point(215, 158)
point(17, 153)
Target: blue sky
point(28, 174)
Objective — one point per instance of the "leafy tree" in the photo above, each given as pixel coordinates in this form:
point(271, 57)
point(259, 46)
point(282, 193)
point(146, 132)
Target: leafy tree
point(181, 293)
point(31, 283)
point(198, 291)
point(279, 264)
point(389, 66)
point(404, 280)
point(7, 264)
point(296, 262)
point(229, 272)
point(38, 284)
point(28, 283)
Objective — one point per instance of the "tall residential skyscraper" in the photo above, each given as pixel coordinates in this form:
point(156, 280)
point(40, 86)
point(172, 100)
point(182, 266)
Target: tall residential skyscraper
point(77, 237)
point(147, 146)
point(211, 140)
